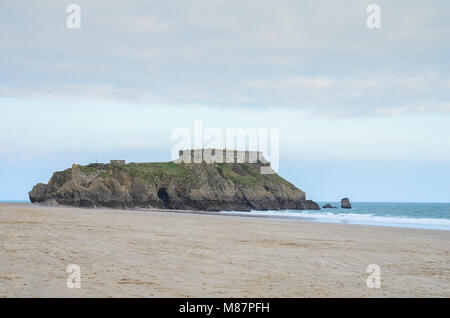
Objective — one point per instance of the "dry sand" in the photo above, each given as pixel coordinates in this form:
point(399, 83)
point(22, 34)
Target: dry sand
point(160, 254)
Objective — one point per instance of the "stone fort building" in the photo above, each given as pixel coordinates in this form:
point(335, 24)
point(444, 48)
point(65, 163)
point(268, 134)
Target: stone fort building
point(220, 156)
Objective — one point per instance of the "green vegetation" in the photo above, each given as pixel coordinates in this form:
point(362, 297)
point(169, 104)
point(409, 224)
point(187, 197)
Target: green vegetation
point(61, 177)
point(149, 171)
point(239, 173)
point(244, 174)
point(249, 174)
point(88, 169)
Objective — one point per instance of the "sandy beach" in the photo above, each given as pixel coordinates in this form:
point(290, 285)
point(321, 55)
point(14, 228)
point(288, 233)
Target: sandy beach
point(160, 254)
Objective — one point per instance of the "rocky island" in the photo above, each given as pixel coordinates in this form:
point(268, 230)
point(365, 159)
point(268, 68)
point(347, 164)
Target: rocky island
point(208, 186)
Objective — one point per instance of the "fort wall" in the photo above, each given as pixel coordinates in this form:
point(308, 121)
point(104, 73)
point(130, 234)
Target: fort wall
point(220, 156)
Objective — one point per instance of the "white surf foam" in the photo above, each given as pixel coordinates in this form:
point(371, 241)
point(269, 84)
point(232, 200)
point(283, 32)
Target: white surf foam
point(353, 218)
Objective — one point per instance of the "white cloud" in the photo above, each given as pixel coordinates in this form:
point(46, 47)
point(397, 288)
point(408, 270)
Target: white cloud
point(317, 56)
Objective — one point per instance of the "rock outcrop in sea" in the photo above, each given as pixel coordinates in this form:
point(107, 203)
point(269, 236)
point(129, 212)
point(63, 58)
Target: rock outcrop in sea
point(171, 185)
point(345, 203)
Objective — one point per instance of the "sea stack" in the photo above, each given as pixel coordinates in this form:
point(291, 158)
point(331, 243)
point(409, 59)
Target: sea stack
point(208, 186)
point(345, 203)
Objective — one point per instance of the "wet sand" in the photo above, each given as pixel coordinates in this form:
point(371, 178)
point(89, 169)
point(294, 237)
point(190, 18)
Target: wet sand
point(160, 254)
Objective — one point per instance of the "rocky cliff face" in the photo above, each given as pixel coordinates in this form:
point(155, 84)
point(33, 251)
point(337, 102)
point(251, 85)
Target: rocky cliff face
point(209, 187)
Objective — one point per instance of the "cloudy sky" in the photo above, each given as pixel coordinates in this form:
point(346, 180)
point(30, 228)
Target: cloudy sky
point(362, 112)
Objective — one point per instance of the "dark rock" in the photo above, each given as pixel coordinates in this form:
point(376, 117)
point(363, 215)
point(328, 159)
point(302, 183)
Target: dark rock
point(37, 195)
point(345, 203)
point(210, 187)
point(329, 206)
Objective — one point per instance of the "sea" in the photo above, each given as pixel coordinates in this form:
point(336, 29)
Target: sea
point(432, 216)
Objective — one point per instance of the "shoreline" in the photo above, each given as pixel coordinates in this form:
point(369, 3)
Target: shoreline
point(280, 215)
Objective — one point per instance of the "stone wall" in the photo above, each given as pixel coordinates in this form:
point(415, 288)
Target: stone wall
point(117, 162)
point(220, 156)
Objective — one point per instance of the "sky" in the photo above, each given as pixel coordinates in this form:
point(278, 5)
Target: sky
point(363, 113)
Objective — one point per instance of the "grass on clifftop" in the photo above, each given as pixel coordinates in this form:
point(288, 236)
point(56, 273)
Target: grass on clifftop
point(150, 170)
point(88, 169)
point(249, 174)
point(239, 173)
